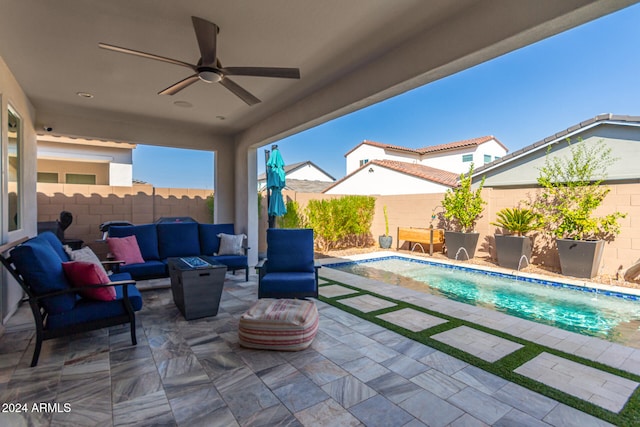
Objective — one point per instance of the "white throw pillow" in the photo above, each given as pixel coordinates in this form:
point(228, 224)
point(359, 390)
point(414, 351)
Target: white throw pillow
point(84, 254)
point(231, 244)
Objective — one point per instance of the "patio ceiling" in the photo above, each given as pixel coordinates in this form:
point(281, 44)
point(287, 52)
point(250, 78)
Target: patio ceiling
point(351, 54)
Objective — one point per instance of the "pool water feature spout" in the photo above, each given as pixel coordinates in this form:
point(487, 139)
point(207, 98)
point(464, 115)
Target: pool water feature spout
point(464, 250)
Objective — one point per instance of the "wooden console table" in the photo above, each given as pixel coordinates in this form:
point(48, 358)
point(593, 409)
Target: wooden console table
point(420, 236)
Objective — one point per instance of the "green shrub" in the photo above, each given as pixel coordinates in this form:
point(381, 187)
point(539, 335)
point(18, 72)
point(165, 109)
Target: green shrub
point(293, 217)
point(341, 222)
point(462, 204)
point(519, 221)
point(572, 191)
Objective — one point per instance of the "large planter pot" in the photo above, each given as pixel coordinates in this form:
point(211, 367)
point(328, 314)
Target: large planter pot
point(580, 258)
point(385, 241)
point(461, 246)
point(513, 252)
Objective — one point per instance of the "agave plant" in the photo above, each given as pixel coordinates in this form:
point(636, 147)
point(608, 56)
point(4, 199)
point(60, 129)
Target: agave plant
point(518, 221)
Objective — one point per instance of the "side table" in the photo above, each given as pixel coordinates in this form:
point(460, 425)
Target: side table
point(196, 285)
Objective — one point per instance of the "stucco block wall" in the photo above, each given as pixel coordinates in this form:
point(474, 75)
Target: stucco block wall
point(91, 205)
point(414, 210)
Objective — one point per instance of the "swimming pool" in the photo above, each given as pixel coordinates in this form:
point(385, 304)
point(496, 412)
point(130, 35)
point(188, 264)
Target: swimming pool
point(609, 315)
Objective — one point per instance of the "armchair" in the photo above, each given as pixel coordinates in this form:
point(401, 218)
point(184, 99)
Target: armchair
point(58, 308)
point(289, 270)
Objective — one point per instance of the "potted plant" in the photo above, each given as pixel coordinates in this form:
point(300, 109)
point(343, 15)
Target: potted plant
point(512, 249)
point(571, 192)
point(385, 240)
point(463, 207)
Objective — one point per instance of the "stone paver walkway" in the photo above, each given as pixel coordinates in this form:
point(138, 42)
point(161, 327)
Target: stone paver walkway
point(598, 387)
point(485, 346)
point(367, 303)
point(411, 319)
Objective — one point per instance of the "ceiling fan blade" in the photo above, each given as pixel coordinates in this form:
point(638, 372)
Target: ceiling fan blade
point(239, 91)
point(177, 87)
point(146, 55)
point(285, 73)
point(206, 33)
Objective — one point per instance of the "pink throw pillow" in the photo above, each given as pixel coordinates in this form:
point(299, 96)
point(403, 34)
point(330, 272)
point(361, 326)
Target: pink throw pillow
point(125, 249)
point(82, 273)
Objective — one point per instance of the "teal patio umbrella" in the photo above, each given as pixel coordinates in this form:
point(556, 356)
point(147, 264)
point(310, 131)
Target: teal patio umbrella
point(275, 183)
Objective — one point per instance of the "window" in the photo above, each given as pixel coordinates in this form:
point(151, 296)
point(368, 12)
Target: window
point(78, 178)
point(487, 158)
point(467, 158)
point(49, 177)
point(496, 157)
point(364, 162)
point(14, 162)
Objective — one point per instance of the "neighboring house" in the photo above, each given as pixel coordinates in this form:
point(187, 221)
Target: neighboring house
point(453, 157)
point(377, 168)
point(522, 167)
point(305, 177)
point(83, 161)
point(385, 177)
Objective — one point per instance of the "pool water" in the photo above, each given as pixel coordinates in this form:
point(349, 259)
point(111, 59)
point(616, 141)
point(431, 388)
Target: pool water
point(581, 310)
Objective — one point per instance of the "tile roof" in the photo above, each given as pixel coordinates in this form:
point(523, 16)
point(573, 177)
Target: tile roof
point(306, 186)
point(428, 173)
point(431, 149)
point(543, 143)
point(459, 144)
point(294, 166)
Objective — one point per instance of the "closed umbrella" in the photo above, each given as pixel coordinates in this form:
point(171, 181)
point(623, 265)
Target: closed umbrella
point(275, 183)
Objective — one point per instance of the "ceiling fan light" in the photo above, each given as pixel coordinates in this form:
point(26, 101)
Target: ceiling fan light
point(209, 76)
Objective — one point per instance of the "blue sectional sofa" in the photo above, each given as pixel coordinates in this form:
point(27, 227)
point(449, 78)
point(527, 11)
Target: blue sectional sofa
point(158, 242)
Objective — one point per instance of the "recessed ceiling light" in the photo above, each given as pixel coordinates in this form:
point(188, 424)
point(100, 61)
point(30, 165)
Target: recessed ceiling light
point(183, 104)
point(84, 94)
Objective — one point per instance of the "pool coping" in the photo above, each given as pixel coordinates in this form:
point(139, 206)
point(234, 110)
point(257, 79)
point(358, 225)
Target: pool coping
point(583, 285)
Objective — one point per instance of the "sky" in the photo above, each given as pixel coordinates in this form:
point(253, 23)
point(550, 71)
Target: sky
point(520, 98)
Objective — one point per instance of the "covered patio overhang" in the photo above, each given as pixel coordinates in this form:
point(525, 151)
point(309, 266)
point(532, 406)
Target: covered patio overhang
point(350, 54)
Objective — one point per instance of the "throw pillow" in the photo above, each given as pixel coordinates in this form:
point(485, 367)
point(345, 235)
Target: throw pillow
point(81, 274)
point(231, 244)
point(84, 254)
point(125, 249)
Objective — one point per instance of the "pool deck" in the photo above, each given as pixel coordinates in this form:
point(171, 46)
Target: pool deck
point(600, 388)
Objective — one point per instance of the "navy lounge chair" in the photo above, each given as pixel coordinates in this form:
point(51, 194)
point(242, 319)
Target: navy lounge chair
point(57, 307)
point(289, 270)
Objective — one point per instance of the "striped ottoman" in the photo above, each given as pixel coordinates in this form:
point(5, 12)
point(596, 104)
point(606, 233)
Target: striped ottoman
point(279, 324)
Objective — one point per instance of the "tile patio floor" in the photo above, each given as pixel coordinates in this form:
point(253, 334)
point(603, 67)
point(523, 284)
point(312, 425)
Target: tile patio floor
point(194, 373)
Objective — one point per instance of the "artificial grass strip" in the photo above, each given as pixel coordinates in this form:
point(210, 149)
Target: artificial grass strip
point(504, 367)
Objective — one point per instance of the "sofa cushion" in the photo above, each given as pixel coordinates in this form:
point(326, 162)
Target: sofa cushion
point(233, 261)
point(41, 268)
point(146, 235)
point(290, 250)
point(178, 240)
point(209, 240)
point(56, 244)
point(125, 249)
point(82, 274)
point(276, 284)
point(146, 270)
point(87, 310)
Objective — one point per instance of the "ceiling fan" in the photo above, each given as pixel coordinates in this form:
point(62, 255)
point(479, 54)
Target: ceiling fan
point(209, 69)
